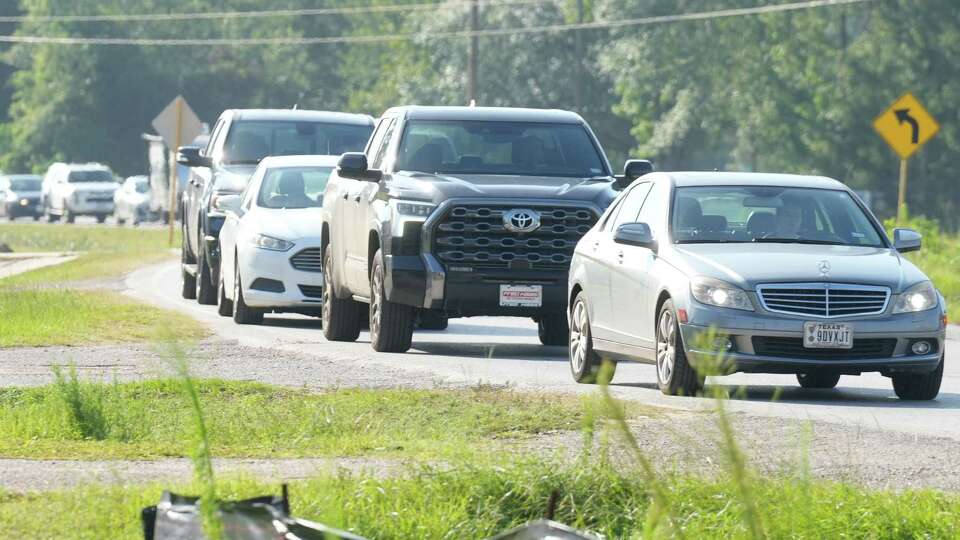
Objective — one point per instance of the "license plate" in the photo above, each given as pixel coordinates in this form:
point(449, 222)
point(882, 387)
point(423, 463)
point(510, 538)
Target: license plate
point(827, 335)
point(521, 295)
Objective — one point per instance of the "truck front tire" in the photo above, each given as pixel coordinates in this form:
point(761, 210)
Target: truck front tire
point(340, 316)
point(206, 294)
point(391, 324)
point(553, 329)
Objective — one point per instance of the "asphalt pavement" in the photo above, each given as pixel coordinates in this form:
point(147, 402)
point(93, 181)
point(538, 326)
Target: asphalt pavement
point(498, 350)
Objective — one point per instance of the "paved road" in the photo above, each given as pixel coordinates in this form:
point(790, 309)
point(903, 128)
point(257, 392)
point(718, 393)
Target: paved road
point(506, 350)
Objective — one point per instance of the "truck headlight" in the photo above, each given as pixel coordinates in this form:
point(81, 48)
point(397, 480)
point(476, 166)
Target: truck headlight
point(920, 297)
point(263, 241)
point(412, 208)
point(714, 292)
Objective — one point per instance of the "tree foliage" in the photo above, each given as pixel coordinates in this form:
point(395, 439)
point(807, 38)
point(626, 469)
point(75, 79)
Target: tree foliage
point(792, 91)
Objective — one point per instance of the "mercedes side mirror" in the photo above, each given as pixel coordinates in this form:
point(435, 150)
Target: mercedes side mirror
point(191, 157)
point(633, 169)
point(906, 240)
point(635, 234)
point(354, 165)
point(228, 203)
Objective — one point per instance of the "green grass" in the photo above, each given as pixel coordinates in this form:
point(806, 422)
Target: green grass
point(150, 420)
point(478, 501)
point(106, 251)
point(41, 317)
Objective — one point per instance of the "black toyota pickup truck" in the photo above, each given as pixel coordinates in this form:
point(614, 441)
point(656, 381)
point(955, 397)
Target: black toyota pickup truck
point(240, 139)
point(459, 212)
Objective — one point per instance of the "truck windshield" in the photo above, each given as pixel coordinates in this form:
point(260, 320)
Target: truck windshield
point(249, 141)
point(770, 214)
point(90, 176)
point(494, 147)
point(25, 184)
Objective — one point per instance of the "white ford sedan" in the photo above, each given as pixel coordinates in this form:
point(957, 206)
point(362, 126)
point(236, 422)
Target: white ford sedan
point(270, 241)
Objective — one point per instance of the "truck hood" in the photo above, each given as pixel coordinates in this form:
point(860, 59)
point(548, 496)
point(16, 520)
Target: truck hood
point(747, 265)
point(287, 224)
point(233, 178)
point(437, 188)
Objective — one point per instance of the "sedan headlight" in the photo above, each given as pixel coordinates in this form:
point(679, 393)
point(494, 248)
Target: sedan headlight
point(412, 208)
point(263, 241)
point(714, 292)
point(920, 297)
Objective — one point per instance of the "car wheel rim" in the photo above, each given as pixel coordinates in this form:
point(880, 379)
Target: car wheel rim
point(578, 337)
point(377, 304)
point(666, 346)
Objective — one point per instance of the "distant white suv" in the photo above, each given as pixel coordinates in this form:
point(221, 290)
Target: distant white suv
point(71, 190)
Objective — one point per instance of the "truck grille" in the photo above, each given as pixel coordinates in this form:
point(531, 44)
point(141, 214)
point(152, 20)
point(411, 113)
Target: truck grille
point(824, 299)
point(308, 260)
point(474, 235)
point(787, 347)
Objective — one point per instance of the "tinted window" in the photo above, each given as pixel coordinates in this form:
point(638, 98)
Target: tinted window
point(770, 214)
point(25, 184)
point(486, 147)
point(293, 187)
point(249, 141)
point(90, 176)
point(654, 209)
point(631, 205)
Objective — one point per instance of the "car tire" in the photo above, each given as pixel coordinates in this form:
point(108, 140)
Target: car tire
point(101, 218)
point(50, 216)
point(819, 380)
point(391, 324)
point(675, 375)
point(68, 216)
point(36, 218)
point(224, 304)
point(242, 313)
point(340, 316)
point(919, 386)
point(433, 320)
point(188, 281)
point(584, 362)
point(553, 330)
point(206, 294)
point(118, 219)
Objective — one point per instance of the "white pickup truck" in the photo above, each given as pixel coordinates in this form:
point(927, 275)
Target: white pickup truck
point(71, 190)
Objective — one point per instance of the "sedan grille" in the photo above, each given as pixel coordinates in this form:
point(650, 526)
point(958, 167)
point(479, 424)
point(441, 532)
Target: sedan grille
point(788, 347)
point(824, 299)
point(311, 291)
point(308, 260)
point(474, 235)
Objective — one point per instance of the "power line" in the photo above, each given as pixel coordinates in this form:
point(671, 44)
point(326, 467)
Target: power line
point(368, 39)
point(201, 15)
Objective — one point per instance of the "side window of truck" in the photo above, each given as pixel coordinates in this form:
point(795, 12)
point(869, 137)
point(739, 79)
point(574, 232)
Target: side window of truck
point(381, 152)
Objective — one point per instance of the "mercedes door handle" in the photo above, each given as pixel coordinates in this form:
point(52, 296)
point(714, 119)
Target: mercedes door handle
point(345, 195)
point(357, 198)
point(596, 245)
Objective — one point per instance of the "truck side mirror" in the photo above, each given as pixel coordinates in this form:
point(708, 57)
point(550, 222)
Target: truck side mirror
point(633, 169)
point(354, 165)
point(191, 157)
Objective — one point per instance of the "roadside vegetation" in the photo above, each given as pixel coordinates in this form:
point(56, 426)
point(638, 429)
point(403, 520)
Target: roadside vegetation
point(104, 252)
point(145, 420)
point(43, 307)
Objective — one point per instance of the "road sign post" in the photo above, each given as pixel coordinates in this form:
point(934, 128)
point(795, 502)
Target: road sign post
point(177, 124)
point(905, 126)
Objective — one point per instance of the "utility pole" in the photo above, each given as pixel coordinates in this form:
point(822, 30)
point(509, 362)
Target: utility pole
point(174, 180)
point(578, 51)
point(474, 52)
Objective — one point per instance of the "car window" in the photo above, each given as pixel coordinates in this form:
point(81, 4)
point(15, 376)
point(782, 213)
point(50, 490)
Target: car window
point(654, 209)
point(213, 138)
point(631, 205)
point(21, 184)
point(381, 152)
point(770, 214)
point(76, 177)
point(293, 187)
point(611, 213)
point(499, 147)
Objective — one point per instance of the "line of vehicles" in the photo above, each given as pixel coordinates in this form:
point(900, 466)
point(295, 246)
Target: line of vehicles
point(432, 213)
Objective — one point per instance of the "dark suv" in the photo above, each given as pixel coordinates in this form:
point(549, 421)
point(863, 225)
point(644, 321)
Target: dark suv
point(458, 212)
point(240, 139)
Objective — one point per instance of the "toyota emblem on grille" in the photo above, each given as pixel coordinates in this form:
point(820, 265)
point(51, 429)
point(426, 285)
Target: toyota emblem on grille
point(521, 220)
point(824, 267)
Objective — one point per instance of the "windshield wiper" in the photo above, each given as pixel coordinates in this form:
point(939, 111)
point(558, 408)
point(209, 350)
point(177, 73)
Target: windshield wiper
point(776, 240)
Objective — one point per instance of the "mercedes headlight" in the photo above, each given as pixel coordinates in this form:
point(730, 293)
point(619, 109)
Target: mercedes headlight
point(263, 241)
point(920, 297)
point(412, 208)
point(714, 292)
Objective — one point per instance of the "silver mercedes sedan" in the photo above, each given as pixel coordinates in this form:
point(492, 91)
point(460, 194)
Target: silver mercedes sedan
point(769, 273)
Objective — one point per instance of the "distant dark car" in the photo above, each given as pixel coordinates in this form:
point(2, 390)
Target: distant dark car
point(239, 140)
point(20, 196)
